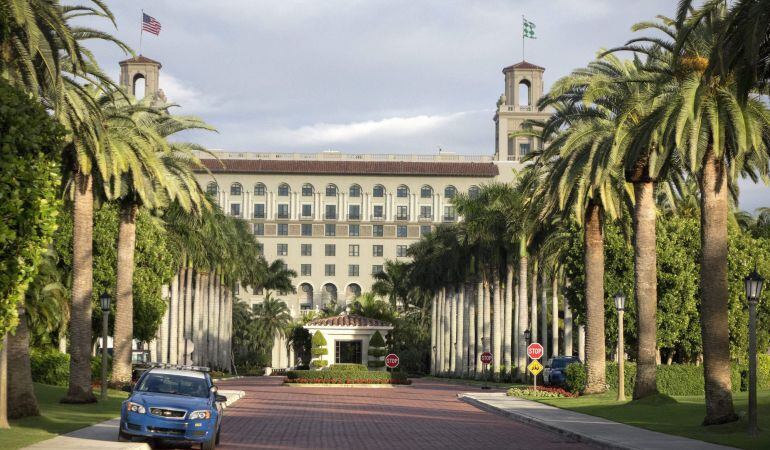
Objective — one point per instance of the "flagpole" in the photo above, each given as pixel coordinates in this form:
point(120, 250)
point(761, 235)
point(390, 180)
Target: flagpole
point(523, 19)
point(141, 32)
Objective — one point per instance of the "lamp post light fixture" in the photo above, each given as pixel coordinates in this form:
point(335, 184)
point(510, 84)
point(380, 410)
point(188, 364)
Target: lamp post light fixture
point(753, 284)
point(527, 336)
point(620, 305)
point(105, 300)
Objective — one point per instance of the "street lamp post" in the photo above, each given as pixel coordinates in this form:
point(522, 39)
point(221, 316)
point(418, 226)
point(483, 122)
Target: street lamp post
point(753, 284)
point(435, 362)
point(104, 299)
point(527, 337)
point(620, 304)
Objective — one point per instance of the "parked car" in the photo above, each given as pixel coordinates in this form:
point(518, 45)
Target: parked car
point(174, 403)
point(553, 374)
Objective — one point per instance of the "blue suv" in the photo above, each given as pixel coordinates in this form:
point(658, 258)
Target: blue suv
point(178, 403)
point(555, 367)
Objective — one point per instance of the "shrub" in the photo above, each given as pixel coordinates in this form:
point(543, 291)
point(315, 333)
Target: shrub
point(376, 351)
point(341, 377)
point(763, 371)
point(376, 364)
point(318, 349)
point(52, 367)
point(540, 392)
point(348, 368)
point(318, 363)
point(575, 378)
point(629, 374)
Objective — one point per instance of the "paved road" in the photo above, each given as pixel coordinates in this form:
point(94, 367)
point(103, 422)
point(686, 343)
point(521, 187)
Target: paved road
point(426, 415)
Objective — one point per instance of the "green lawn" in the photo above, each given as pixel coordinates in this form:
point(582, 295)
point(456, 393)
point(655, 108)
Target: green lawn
point(57, 418)
point(676, 415)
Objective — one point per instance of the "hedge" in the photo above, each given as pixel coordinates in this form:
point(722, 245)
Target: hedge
point(348, 368)
point(52, 367)
point(342, 377)
point(675, 379)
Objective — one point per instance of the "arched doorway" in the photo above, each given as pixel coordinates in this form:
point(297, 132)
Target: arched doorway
point(352, 292)
point(305, 296)
point(329, 293)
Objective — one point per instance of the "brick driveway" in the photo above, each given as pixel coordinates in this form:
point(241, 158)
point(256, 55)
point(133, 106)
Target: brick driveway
point(423, 416)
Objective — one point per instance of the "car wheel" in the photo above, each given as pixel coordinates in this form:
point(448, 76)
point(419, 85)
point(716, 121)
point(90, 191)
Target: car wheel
point(211, 444)
point(123, 437)
point(219, 431)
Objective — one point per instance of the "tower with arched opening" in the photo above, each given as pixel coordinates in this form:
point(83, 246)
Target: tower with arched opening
point(141, 77)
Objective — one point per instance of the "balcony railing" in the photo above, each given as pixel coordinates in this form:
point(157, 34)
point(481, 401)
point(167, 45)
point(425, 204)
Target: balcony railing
point(330, 216)
point(402, 217)
point(450, 218)
point(426, 218)
point(378, 218)
point(354, 217)
point(283, 215)
point(259, 215)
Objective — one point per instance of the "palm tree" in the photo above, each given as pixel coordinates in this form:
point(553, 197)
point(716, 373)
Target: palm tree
point(368, 305)
point(702, 120)
point(391, 283)
point(272, 318)
point(277, 277)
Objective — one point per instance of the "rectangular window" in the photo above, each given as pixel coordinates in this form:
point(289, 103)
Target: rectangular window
point(283, 211)
point(424, 230)
point(347, 352)
point(235, 209)
point(283, 190)
point(259, 189)
point(260, 248)
point(259, 229)
point(524, 149)
point(353, 270)
point(426, 192)
point(377, 268)
point(377, 211)
point(306, 270)
point(331, 211)
point(449, 214)
point(330, 229)
point(330, 250)
point(283, 249)
point(354, 212)
point(236, 289)
point(307, 210)
point(378, 191)
point(426, 212)
point(402, 212)
point(259, 210)
point(354, 230)
point(376, 250)
point(401, 231)
point(307, 190)
point(402, 192)
point(511, 149)
point(283, 229)
point(235, 189)
point(307, 229)
point(259, 291)
point(329, 270)
point(378, 230)
point(306, 249)
point(401, 250)
point(353, 250)
point(331, 190)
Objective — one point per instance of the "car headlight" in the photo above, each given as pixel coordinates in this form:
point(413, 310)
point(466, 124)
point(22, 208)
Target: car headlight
point(135, 407)
point(202, 414)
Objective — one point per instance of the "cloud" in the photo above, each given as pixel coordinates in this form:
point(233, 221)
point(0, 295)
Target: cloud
point(191, 99)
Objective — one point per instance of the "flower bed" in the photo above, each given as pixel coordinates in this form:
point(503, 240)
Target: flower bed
point(540, 392)
point(342, 377)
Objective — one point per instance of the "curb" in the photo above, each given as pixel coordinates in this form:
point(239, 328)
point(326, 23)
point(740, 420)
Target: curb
point(232, 396)
point(341, 385)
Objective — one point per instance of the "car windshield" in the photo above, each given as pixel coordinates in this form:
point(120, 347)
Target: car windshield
point(163, 383)
point(560, 363)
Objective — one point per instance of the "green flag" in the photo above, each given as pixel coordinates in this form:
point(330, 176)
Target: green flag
point(528, 29)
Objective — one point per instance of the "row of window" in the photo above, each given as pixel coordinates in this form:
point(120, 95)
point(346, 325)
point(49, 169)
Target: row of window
point(330, 230)
point(330, 270)
point(331, 190)
point(331, 250)
point(354, 211)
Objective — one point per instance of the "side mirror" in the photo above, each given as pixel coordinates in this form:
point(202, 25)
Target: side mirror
point(220, 398)
point(213, 389)
point(127, 388)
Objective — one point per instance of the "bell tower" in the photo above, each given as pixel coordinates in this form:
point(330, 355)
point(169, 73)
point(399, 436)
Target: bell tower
point(140, 69)
point(523, 88)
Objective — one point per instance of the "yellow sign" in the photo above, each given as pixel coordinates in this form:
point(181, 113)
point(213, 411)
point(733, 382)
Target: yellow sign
point(535, 367)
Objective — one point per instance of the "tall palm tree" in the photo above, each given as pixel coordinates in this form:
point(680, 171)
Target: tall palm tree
point(702, 119)
point(272, 318)
point(277, 277)
point(391, 283)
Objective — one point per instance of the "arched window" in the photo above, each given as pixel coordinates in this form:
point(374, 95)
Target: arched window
point(450, 191)
point(474, 192)
point(426, 192)
point(259, 189)
point(236, 189)
point(402, 191)
point(283, 190)
point(355, 191)
point(307, 190)
point(352, 292)
point(329, 293)
point(524, 92)
point(331, 190)
point(378, 191)
point(307, 293)
point(139, 86)
point(212, 188)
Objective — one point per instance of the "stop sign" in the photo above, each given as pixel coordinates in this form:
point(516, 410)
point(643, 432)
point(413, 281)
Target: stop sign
point(535, 350)
point(391, 360)
point(486, 358)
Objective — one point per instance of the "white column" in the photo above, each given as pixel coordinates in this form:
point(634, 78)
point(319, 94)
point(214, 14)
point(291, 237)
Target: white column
point(567, 328)
point(344, 212)
point(582, 343)
point(389, 208)
point(269, 206)
point(316, 206)
point(413, 215)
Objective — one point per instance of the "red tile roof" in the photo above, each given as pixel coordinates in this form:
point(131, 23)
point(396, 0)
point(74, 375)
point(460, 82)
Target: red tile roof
point(460, 169)
point(347, 320)
point(139, 59)
point(523, 65)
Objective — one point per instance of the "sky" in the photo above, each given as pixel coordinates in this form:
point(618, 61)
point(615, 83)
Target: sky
point(364, 76)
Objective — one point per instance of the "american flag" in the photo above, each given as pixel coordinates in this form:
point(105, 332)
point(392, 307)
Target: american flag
point(150, 25)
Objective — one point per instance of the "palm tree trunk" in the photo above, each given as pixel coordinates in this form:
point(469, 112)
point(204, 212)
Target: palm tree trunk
point(555, 315)
point(440, 333)
point(4, 383)
point(471, 332)
point(714, 293)
point(487, 315)
point(164, 324)
point(521, 357)
point(594, 268)
point(173, 319)
point(568, 350)
point(21, 393)
point(446, 347)
point(466, 342)
point(479, 327)
point(80, 390)
point(453, 331)
point(200, 294)
point(188, 312)
point(507, 318)
point(533, 303)
point(123, 333)
point(645, 289)
point(497, 333)
point(515, 317)
point(544, 315)
point(459, 329)
point(582, 343)
point(433, 328)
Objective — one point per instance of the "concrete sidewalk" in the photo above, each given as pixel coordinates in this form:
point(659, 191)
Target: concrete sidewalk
point(104, 435)
point(582, 427)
